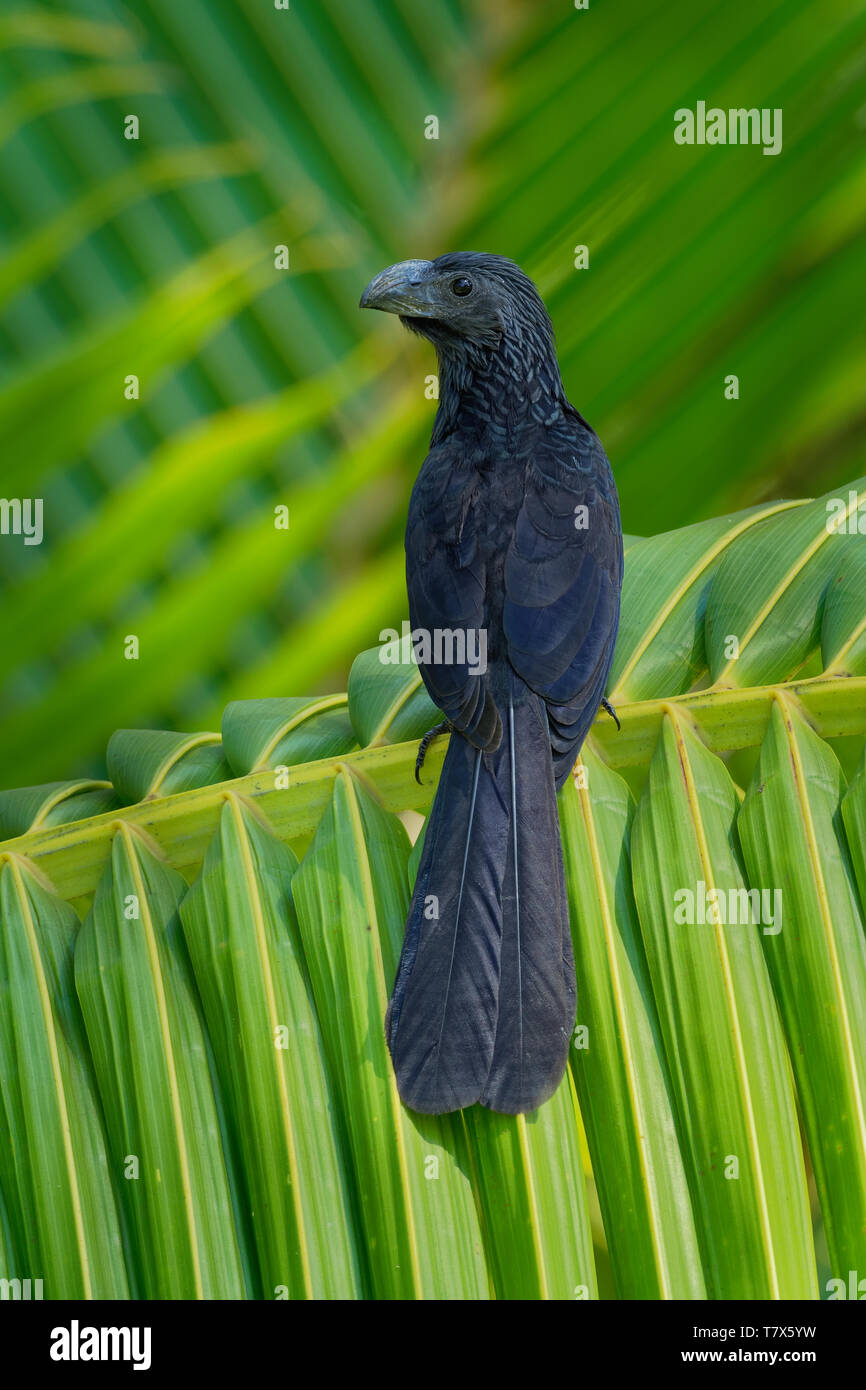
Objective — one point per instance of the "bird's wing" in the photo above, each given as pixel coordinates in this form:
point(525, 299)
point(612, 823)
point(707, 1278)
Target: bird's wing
point(446, 581)
point(563, 574)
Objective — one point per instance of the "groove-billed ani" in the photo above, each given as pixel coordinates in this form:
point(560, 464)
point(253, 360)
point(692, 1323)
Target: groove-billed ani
point(514, 533)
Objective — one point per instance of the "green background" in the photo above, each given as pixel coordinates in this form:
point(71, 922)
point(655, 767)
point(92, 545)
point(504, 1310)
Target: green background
point(262, 387)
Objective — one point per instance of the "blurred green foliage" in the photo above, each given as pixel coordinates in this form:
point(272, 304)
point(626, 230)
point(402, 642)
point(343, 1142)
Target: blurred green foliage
point(263, 387)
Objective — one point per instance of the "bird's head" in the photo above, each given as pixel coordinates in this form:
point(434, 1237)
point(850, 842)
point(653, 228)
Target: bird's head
point(467, 303)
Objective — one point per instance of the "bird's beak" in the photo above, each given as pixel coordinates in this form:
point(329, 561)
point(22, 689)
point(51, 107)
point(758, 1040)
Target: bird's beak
point(402, 289)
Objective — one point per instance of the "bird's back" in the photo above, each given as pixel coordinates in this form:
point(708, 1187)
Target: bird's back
point(486, 511)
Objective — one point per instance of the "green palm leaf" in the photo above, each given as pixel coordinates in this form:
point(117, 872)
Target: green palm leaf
point(152, 1065)
point(59, 1188)
point(792, 839)
point(722, 1037)
point(680, 1062)
point(244, 944)
point(416, 1204)
point(617, 1061)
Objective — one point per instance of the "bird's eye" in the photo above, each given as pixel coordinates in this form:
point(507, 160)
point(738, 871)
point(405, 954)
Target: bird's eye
point(462, 285)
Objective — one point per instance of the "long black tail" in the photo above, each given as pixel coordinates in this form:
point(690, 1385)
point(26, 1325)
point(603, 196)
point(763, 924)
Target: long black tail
point(484, 1001)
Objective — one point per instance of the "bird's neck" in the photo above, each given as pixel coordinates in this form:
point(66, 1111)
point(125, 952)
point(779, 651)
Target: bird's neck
point(493, 391)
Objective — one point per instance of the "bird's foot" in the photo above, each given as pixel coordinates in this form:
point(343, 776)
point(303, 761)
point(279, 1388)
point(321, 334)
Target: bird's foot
point(444, 728)
point(609, 709)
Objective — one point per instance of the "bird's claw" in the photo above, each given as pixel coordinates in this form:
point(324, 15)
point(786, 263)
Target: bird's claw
point(443, 728)
point(609, 709)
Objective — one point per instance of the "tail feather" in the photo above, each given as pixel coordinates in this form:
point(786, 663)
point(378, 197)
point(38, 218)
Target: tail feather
point(484, 1001)
point(537, 985)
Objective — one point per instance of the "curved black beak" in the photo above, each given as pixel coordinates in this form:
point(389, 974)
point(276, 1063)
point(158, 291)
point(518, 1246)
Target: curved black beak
point(403, 289)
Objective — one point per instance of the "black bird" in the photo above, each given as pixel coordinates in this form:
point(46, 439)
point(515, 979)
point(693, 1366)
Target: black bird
point(513, 537)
